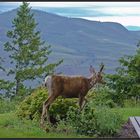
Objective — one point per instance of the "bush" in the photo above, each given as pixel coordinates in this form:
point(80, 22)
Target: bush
point(31, 107)
point(95, 119)
point(83, 122)
point(107, 122)
point(99, 121)
point(101, 96)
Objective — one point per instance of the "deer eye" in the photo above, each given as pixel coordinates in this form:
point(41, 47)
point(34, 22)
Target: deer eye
point(100, 76)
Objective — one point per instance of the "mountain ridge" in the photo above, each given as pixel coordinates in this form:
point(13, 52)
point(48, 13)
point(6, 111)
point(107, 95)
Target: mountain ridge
point(79, 41)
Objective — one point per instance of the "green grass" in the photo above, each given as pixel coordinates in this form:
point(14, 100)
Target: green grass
point(128, 112)
point(13, 127)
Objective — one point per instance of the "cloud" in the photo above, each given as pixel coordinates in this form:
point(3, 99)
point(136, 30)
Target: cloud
point(126, 13)
point(85, 4)
point(73, 11)
point(77, 4)
point(121, 11)
point(91, 8)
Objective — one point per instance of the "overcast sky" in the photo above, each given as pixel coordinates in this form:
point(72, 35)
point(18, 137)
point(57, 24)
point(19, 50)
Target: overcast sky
point(126, 13)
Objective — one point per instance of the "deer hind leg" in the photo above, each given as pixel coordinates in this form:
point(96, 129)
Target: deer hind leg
point(45, 110)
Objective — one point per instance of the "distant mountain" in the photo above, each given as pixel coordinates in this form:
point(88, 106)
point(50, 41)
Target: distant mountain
point(78, 41)
point(133, 28)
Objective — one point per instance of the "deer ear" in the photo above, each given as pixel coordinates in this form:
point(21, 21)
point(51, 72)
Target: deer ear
point(92, 70)
point(101, 68)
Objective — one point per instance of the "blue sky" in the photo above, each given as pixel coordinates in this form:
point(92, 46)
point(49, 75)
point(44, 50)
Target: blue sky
point(126, 13)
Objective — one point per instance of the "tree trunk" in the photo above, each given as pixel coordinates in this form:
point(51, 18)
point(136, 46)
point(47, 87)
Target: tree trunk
point(17, 86)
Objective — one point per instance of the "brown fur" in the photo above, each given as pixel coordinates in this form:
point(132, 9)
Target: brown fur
point(70, 87)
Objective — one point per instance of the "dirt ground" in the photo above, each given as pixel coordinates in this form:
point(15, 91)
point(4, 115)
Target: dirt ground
point(127, 131)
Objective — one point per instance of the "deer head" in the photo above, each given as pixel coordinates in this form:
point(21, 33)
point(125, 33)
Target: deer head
point(96, 77)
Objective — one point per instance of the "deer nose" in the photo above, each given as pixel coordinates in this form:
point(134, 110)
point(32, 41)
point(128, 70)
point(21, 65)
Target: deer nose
point(44, 84)
point(103, 82)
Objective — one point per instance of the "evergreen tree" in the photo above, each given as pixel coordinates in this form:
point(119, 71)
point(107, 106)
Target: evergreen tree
point(5, 86)
point(28, 53)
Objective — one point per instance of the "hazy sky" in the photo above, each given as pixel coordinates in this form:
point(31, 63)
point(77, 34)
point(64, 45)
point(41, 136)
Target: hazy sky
point(126, 13)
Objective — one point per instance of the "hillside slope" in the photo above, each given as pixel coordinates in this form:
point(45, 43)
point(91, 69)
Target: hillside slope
point(80, 42)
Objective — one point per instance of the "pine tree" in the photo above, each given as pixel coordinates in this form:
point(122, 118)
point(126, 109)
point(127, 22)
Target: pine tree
point(28, 53)
point(5, 85)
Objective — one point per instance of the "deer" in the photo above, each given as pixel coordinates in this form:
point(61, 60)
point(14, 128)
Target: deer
point(69, 87)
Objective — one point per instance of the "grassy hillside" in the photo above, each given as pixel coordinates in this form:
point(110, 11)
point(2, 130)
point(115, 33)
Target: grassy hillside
point(80, 42)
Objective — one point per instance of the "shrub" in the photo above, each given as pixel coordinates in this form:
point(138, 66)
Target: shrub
point(107, 122)
point(95, 119)
point(101, 96)
point(83, 122)
point(99, 121)
point(31, 107)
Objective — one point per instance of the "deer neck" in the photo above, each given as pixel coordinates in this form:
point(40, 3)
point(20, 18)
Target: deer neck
point(92, 81)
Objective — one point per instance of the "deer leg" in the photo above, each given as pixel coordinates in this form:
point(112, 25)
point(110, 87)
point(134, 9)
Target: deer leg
point(81, 99)
point(45, 110)
point(47, 114)
point(83, 105)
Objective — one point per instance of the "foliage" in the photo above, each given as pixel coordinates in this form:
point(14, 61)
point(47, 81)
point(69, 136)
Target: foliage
point(131, 103)
point(31, 107)
point(7, 106)
point(63, 128)
point(94, 121)
point(108, 122)
point(101, 96)
point(126, 82)
point(67, 115)
point(6, 88)
point(27, 52)
point(13, 127)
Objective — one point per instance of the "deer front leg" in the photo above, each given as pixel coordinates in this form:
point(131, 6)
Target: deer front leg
point(85, 101)
point(81, 99)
